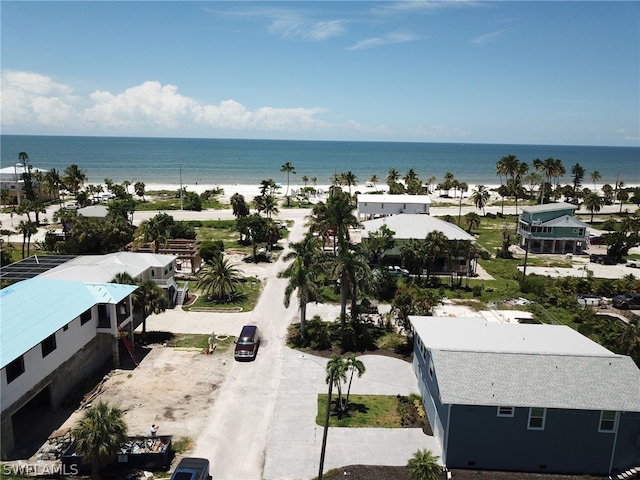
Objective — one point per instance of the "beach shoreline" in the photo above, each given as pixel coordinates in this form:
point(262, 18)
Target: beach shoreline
point(251, 191)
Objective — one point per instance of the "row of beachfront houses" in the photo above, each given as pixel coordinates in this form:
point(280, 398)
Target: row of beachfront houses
point(499, 396)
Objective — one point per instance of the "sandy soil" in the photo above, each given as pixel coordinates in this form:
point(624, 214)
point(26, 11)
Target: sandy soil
point(172, 388)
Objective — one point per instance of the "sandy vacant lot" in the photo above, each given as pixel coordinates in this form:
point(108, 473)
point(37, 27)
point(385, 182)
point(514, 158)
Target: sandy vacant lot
point(171, 387)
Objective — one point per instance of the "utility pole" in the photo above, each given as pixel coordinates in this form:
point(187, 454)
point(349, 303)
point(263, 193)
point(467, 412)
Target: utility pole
point(181, 203)
point(326, 426)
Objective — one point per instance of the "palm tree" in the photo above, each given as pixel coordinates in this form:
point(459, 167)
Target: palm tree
point(472, 219)
point(463, 187)
point(595, 176)
point(623, 196)
point(147, 299)
point(238, 205)
point(374, 179)
point(74, 178)
point(628, 340)
point(353, 366)
point(336, 373)
point(153, 231)
point(480, 197)
point(351, 268)
point(152, 299)
point(219, 279)
point(99, 434)
point(27, 229)
point(349, 179)
point(436, 246)
point(302, 275)
point(334, 217)
point(593, 202)
point(53, 183)
point(288, 168)
point(424, 466)
point(392, 176)
point(139, 188)
point(412, 253)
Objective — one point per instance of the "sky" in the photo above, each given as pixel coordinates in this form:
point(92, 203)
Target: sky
point(516, 72)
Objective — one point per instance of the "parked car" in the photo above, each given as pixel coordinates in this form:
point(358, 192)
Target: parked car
point(396, 271)
point(633, 263)
point(247, 343)
point(627, 301)
point(192, 468)
point(587, 300)
point(603, 259)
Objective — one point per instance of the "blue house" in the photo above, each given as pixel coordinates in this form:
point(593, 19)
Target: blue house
point(552, 228)
point(532, 398)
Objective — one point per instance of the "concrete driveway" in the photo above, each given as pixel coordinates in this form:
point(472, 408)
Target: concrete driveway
point(293, 450)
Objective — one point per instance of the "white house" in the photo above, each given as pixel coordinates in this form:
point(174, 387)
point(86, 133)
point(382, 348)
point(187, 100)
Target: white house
point(11, 180)
point(55, 334)
point(102, 268)
point(372, 205)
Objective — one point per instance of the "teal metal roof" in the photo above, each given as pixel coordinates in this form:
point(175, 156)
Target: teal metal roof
point(34, 309)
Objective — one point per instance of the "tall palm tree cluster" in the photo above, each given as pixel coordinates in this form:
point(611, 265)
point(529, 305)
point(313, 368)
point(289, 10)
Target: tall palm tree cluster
point(338, 370)
point(544, 182)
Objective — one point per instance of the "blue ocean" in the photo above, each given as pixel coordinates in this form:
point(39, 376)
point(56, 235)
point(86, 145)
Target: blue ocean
point(227, 161)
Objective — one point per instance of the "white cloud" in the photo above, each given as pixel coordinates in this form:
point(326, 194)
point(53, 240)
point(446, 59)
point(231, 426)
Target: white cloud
point(299, 28)
point(488, 37)
point(146, 109)
point(31, 97)
point(388, 39)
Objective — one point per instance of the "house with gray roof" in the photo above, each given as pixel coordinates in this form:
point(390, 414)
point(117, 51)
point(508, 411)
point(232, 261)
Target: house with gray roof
point(55, 333)
point(521, 397)
point(102, 268)
point(406, 227)
point(552, 228)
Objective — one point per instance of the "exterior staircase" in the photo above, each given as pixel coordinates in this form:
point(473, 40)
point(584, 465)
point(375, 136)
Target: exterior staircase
point(631, 474)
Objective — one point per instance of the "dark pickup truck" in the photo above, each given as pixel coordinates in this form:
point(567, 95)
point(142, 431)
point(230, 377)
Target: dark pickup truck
point(192, 468)
point(603, 259)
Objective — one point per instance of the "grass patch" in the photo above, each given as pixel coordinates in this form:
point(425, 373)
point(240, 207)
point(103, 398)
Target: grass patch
point(182, 445)
point(246, 298)
point(186, 340)
point(373, 411)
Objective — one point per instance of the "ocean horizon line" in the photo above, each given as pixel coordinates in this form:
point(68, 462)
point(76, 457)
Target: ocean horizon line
point(242, 139)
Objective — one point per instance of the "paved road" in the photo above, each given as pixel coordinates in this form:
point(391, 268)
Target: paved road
point(238, 425)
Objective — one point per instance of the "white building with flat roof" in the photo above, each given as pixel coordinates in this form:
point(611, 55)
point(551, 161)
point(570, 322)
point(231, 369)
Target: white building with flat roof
point(377, 205)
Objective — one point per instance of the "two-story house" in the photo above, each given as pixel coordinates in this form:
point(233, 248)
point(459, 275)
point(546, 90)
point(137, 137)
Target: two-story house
point(552, 228)
point(55, 334)
point(522, 397)
point(103, 268)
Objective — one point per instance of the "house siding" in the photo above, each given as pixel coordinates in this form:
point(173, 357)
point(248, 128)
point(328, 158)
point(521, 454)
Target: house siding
point(628, 442)
point(569, 443)
point(436, 411)
point(62, 381)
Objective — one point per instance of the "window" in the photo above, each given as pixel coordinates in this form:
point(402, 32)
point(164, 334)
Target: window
point(15, 369)
point(506, 411)
point(537, 418)
point(581, 232)
point(608, 421)
point(85, 317)
point(48, 345)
